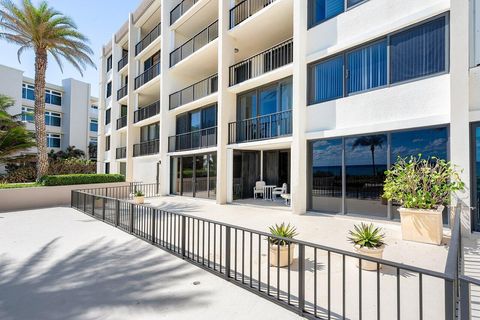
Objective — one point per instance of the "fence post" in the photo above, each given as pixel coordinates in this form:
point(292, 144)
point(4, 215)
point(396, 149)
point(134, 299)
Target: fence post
point(132, 208)
point(184, 235)
point(227, 251)
point(71, 199)
point(104, 202)
point(117, 213)
point(464, 299)
point(93, 205)
point(301, 278)
point(450, 301)
point(153, 213)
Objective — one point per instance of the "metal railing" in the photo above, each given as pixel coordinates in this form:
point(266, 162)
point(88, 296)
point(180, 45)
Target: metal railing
point(121, 122)
point(146, 148)
point(194, 92)
point(180, 9)
point(148, 39)
point(146, 112)
point(122, 92)
point(121, 153)
point(147, 75)
point(201, 39)
point(270, 59)
point(122, 62)
point(319, 282)
point(193, 140)
point(246, 9)
point(260, 128)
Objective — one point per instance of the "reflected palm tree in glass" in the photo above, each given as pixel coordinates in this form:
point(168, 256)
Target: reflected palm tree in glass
point(374, 142)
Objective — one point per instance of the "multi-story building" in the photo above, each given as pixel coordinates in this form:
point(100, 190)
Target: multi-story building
point(71, 113)
point(322, 95)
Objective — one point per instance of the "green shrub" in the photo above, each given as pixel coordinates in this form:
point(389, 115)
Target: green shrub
point(71, 179)
point(139, 193)
point(367, 235)
point(284, 231)
point(418, 183)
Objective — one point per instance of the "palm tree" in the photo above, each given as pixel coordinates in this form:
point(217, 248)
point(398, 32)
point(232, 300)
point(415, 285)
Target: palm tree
point(370, 141)
point(13, 135)
point(45, 31)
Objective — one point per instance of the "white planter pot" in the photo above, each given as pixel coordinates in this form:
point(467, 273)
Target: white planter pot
point(139, 200)
point(372, 253)
point(421, 225)
point(284, 259)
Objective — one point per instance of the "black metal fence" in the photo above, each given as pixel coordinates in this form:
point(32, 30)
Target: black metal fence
point(146, 112)
point(319, 282)
point(148, 39)
point(201, 39)
point(121, 153)
point(246, 9)
point(122, 62)
point(194, 92)
point(122, 92)
point(146, 148)
point(180, 9)
point(148, 75)
point(270, 59)
point(121, 122)
point(193, 140)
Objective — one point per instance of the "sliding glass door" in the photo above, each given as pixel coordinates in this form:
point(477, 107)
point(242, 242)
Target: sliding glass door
point(475, 160)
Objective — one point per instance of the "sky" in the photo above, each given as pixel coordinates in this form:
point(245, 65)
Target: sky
point(97, 19)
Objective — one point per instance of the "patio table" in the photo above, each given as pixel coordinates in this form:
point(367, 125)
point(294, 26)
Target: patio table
point(268, 192)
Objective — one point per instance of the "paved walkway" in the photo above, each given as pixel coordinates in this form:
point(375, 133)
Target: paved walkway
point(60, 264)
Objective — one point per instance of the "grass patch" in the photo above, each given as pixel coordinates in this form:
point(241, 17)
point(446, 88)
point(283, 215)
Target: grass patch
point(19, 185)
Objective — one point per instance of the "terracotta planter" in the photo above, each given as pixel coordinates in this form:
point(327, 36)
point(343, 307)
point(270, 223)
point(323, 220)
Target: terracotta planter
point(372, 253)
point(283, 262)
point(421, 225)
point(139, 200)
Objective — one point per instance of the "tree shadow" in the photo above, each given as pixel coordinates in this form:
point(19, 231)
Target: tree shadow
point(95, 279)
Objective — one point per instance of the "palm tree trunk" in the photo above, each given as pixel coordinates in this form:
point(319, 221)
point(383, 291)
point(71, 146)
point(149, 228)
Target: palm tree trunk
point(40, 131)
point(372, 148)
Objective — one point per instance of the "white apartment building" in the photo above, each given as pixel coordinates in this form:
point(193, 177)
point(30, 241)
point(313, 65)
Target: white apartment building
point(322, 95)
point(71, 113)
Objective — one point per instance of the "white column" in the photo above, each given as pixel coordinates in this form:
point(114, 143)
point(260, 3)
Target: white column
point(115, 110)
point(298, 187)
point(131, 102)
point(459, 107)
point(101, 116)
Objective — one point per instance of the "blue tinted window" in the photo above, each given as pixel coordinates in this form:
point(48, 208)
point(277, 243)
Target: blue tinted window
point(419, 51)
point(28, 92)
point(53, 119)
point(367, 67)
point(94, 126)
point(428, 142)
point(53, 141)
point(321, 10)
point(327, 80)
point(351, 3)
point(27, 115)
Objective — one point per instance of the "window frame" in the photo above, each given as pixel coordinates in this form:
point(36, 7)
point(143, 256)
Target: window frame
point(50, 115)
point(54, 136)
point(109, 63)
point(108, 116)
point(92, 121)
point(346, 8)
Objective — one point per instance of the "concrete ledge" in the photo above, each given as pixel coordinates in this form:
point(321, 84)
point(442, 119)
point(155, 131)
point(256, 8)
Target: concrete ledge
point(44, 197)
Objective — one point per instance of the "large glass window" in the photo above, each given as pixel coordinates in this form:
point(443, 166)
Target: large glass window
point(321, 10)
point(419, 51)
point(109, 63)
point(327, 80)
point(150, 132)
point(107, 143)
point(93, 125)
point(27, 114)
point(53, 140)
point(53, 97)
point(53, 119)
point(108, 116)
point(109, 89)
point(28, 92)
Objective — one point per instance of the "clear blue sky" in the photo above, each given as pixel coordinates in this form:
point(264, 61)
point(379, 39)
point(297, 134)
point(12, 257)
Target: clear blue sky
point(97, 19)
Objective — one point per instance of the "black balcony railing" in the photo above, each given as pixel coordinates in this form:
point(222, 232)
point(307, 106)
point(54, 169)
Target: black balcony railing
point(268, 60)
point(121, 122)
point(146, 148)
point(180, 9)
point(121, 153)
point(260, 128)
point(146, 112)
point(193, 140)
point(246, 9)
point(202, 38)
point(194, 92)
point(148, 39)
point(148, 75)
point(123, 62)
point(122, 92)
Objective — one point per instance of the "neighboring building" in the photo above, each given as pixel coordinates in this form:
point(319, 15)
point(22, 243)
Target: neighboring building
point(207, 97)
point(71, 113)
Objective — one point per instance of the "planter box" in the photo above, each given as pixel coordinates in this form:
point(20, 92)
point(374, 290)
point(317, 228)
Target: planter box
point(284, 259)
point(420, 225)
point(139, 200)
point(370, 252)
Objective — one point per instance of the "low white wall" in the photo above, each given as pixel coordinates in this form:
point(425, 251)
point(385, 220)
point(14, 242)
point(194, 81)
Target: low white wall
point(43, 197)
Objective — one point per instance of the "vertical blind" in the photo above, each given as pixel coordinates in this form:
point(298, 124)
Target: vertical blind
point(321, 10)
point(328, 80)
point(367, 67)
point(419, 51)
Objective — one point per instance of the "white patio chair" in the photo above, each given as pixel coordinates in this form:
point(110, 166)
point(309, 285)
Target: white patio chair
point(259, 189)
point(279, 191)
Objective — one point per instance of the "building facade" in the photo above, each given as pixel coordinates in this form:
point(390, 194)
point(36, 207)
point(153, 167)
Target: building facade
point(322, 95)
point(71, 113)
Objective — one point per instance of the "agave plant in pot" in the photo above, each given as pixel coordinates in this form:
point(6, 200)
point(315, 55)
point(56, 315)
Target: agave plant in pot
point(422, 187)
point(281, 250)
point(368, 240)
point(138, 197)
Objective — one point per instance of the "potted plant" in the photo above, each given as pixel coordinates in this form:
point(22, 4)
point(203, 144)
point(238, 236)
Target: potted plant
point(138, 197)
point(422, 187)
point(368, 240)
point(277, 245)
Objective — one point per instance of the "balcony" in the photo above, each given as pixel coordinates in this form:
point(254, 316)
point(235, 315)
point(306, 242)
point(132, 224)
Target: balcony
point(148, 39)
point(269, 60)
point(194, 92)
point(180, 9)
point(148, 75)
point(270, 126)
point(146, 148)
point(121, 153)
point(121, 122)
point(246, 9)
point(198, 41)
point(193, 140)
point(122, 92)
point(122, 62)
point(146, 112)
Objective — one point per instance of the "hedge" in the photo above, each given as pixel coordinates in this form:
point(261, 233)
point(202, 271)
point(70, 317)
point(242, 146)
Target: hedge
point(71, 179)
